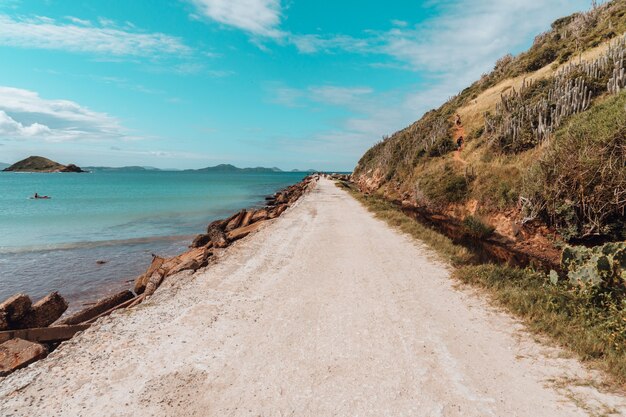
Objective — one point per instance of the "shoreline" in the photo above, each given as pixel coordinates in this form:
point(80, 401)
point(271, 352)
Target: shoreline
point(48, 320)
point(328, 310)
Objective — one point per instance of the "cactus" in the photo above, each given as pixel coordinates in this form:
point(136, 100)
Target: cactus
point(600, 266)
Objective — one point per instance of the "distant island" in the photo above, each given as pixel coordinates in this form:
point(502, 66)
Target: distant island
point(126, 168)
point(232, 168)
point(228, 168)
point(41, 164)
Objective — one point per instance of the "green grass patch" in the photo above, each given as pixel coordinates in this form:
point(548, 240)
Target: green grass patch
point(580, 318)
point(477, 228)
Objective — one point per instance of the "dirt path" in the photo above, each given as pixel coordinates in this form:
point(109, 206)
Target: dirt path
point(459, 132)
point(326, 312)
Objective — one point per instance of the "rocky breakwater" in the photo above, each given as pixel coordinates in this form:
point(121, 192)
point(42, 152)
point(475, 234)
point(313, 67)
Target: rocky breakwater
point(28, 332)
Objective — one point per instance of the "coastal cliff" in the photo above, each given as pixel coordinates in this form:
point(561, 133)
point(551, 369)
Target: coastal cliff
point(41, 164)
point(533, 149)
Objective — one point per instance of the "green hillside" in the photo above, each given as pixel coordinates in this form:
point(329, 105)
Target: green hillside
point(544, 139)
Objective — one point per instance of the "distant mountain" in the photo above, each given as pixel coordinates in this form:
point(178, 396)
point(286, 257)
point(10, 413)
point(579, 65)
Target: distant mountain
point(3, 165)
point(304, 170)
point(41, 164)
point(233, 169)
point(128, 168)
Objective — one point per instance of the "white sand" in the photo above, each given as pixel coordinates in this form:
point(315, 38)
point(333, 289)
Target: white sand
point(325, 312)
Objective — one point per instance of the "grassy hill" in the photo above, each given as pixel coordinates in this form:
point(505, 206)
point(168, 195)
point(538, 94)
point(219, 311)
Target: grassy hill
point(227, 168)
point(544, 139)
point(41, 164)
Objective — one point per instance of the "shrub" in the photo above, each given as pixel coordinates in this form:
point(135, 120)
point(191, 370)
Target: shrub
point(602, 266)
point(581, 178)
point(476, 228)
point(448, 187)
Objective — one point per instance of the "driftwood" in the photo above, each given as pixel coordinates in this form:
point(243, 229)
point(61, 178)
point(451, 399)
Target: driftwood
point(100, 307)
point(44, 334)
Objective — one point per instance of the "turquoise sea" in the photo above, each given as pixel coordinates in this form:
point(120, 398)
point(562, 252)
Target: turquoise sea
point(120, 217)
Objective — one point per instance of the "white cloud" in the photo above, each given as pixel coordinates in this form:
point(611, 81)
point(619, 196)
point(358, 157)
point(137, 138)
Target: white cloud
point(82, 36)
point(257, 17)
point(24, 114)
point(449, 51)
point(467, 35)
point(11, 127)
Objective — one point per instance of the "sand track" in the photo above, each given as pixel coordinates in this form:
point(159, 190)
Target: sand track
point(325, 312)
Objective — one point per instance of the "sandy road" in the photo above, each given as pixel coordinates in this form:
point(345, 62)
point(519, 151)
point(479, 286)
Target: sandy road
point(326, 312)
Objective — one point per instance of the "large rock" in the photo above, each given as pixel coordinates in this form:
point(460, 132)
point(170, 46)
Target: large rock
point(235, 221)
point(16, 307)
point(247, 219)
point(218, 238)
point(259, 215)
point(98, 308)
point(142, 280)
point(4, 321)
point(201, 240)
point(243, 231)
point(277, 211)
point(18, 353)
point(218, 224)
point(43, 313)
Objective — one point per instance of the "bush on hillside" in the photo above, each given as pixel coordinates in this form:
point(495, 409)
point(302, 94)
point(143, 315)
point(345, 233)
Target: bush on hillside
point(477, 228)
point(580, 181)
point(441, 190)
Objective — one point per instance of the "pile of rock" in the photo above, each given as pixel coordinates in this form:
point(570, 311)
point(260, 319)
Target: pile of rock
point(18, 313)
point(29, 331)
point(340, 177)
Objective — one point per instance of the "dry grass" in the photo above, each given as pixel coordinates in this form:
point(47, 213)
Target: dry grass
point(472, 113)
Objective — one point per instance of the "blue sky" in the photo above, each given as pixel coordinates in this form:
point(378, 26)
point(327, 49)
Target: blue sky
point(287, 83)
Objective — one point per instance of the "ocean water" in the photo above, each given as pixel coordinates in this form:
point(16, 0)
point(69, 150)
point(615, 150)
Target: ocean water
point(118, 217)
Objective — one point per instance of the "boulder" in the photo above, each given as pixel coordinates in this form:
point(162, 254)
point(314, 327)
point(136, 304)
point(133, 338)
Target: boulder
point(201, 240)
point(217, 224)
point(43, 313)
point(4, 321)
point(189, 264)
point(142, 280)
point(281, 198)
point(153, 282)
point(235, 221)
point(247, 219)
point(98, 308)
point(16, 307)
point(243, 231)
point(277, 211)
point(259, 215)
point(18, 353)
point(217, 236)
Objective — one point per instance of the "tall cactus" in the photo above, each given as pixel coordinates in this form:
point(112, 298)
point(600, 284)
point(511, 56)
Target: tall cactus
point(529, 116)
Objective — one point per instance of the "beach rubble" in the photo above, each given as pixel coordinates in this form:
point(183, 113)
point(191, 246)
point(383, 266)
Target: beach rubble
point(18, 353)
point(24, 327)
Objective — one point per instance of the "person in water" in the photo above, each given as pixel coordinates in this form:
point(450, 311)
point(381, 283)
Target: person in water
point(36, 195)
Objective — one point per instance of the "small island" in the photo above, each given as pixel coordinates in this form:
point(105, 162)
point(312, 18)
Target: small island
point(41, 164)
